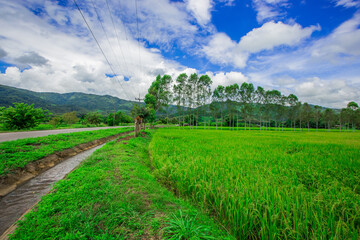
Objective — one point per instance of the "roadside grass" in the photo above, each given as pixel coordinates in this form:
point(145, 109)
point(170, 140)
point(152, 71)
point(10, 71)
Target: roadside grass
point(46, 126)
point(114, 195)
point(18, 153)
point(266, 184)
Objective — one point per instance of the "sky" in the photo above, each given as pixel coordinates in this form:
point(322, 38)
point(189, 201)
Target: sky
point(307, 48)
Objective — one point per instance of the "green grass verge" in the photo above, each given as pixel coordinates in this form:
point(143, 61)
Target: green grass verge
point(18, 153)
point(267, 185)
point(45, 126)
point(114, 195)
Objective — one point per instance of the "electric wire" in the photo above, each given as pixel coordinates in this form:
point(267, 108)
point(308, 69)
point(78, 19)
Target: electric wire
point(107, 38)
point(138, 35)
point(117, 36)
point(107, 60)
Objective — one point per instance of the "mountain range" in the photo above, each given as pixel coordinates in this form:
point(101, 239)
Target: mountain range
point(59, 103)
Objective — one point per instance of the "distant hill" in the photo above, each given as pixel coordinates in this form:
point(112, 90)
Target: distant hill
point(58, 103)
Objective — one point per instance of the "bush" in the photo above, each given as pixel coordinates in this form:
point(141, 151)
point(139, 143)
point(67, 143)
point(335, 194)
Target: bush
point(23, 116)
point(94, 118)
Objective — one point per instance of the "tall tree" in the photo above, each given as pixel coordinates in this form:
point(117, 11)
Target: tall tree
point(292, 101)
point(307, 114)
point(191, 94)
point(219, 96)
point(317, 115)
point(205, 93)
point(247, 94)
point(260, 100)
point(329, 117)
point(181, 81)
point(353, 106)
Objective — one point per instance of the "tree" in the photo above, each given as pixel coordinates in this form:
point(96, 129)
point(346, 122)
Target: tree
point(146, 113)
point(23, 116)
point(307, 114)
point(317, 116)
point(231, 94)
point(247, 95)
point(179, 90)
point(70, 118)
point(205, 92)
point(329, 117)
point(260, 100)
point(219, 96)
point(292, 101)
point(352, 106)
point(93, 118)
point(120, 117)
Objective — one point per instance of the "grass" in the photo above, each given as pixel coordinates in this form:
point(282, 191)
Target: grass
point(18, 153)
point(45, 126)
point(266, 184)
point(114, 195)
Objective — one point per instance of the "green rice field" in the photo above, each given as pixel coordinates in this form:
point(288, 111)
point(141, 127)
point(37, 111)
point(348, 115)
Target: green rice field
point(266, 184)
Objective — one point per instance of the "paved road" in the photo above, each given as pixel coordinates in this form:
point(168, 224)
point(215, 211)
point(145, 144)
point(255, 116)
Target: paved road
point(10, 136)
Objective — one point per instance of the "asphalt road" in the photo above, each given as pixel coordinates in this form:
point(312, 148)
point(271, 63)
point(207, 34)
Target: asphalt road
point(10, 136)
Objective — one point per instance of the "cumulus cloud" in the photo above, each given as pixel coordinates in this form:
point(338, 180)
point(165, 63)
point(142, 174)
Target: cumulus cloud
point(273, 34)
point(334, 93)
point(64, 57)
point(227, 78)
point(200, 10)
point(222, 50)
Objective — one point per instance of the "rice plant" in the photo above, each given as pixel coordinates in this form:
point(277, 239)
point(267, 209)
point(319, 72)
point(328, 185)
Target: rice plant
point(266, 185)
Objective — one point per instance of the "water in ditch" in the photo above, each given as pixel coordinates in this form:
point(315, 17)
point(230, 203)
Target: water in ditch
point(16, 203)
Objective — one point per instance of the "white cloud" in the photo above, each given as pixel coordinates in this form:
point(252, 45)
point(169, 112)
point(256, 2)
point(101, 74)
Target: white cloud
point(222, 50)
point(227, 78)
point(331, 93)
point(63, 57)
point(343, 40)
point(200, 10)
point(269, 9)
point(273, 34)
point(347, 3)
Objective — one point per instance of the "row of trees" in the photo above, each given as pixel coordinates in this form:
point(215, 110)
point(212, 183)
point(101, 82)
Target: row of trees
point(241, 104)
point(24, 116)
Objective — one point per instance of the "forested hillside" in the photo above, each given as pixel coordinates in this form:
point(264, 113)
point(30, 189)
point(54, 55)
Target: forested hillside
point(61, 103)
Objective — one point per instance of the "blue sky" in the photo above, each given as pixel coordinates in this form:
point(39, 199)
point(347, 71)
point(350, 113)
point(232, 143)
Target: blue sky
point(309, 48)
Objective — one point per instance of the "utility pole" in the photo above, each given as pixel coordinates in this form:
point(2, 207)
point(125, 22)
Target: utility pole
point(139, 99)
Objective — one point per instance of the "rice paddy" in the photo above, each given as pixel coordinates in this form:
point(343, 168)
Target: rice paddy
point(265, 184)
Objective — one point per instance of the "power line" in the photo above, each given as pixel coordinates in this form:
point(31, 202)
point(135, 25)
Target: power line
point(138, 33)
point(100, 47)
point(102, 26)
point(117, 37)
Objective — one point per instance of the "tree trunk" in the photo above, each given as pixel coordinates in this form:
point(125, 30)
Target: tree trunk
point(237, 122)
point(308, 126)
point(221, 120)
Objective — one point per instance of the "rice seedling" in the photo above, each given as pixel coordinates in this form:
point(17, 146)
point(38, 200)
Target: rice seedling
point(266, 185)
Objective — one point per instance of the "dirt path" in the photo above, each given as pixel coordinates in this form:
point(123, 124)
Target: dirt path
point(10, 136)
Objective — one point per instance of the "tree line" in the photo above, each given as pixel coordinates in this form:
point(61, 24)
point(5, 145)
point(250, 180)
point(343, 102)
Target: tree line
point(24, 116)
point(242, 105)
